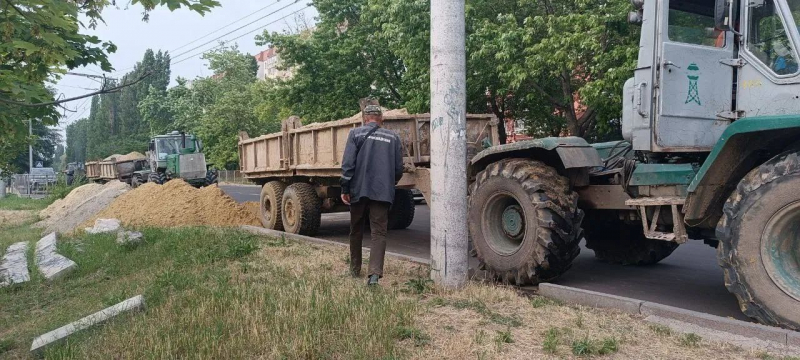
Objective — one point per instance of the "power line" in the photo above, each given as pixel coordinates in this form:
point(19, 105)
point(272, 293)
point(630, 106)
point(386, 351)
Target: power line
point(231, 23)
point(235, 30)
point(229, 40)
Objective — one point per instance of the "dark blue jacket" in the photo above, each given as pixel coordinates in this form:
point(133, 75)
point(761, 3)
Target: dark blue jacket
point(378, 166)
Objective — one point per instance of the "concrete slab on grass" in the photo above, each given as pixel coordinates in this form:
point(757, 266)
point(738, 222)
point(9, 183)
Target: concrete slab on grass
point(51, 264)
point(52, 337)
point(278, 234)
point(14, 266)
point(590, 298)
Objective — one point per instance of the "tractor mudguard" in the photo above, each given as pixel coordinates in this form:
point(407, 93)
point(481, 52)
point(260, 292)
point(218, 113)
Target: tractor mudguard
point(745, 144)
point(559, 152)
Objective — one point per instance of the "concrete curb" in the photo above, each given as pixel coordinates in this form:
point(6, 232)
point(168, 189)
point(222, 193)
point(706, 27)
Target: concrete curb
point(736, 328)
point(274, 233)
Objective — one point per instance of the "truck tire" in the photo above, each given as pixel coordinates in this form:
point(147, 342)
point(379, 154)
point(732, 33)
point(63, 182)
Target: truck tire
point(135, 181)
point(301, 212)
point(271, 205)
point(524, 221)
point(401, 214)
point(618, 242)
point(211, 177)
point(760, 242)
point(157, 177)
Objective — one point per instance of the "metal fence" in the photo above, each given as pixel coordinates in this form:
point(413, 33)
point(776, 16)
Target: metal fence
point(27, 186)
point(232, 177)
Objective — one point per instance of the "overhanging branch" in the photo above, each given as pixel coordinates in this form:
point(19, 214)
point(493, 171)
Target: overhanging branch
point(98, 92)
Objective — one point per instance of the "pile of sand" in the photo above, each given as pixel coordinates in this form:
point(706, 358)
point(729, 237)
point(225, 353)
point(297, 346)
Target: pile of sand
point(176, 203)
point(135, 155)
point(131, 156)
point(253, 207)
point(355, 119)
point(82, 204)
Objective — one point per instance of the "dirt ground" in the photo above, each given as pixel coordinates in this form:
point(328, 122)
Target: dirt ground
point(15, 217)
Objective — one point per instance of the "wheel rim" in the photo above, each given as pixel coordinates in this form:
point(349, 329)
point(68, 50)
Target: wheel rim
point(780, 249)
point(503, 223)
point(266, 210)
point(289, 210)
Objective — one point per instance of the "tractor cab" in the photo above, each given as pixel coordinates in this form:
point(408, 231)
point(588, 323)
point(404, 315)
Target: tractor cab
point(178, 155)
point(703, 64)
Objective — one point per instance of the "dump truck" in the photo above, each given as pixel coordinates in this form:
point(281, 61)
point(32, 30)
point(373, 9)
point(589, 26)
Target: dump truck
point(115, 167)
point(299, 168)
point(176, 155)
point(710, 152)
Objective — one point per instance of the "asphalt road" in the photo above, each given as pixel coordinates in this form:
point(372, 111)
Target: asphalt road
point(690, 278)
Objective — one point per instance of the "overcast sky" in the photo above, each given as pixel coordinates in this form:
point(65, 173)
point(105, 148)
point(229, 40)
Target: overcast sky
point(183, 33)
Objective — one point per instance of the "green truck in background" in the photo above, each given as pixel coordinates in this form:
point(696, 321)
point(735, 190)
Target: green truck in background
point(176, 156)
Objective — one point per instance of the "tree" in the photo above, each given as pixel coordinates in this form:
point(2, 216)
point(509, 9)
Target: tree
point(41, 41)
point(216, 108)
point(559, 66)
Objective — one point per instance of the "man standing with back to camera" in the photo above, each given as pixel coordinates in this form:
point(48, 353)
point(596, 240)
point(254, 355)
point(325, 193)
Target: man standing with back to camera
point(372, 165)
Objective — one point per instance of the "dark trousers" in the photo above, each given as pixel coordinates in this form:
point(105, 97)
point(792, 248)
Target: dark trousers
point(378, 213)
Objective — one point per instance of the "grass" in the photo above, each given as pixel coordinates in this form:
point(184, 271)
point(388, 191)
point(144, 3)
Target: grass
point(14, 202)
point(214, 293)
point(690, 340)
point(200, 302)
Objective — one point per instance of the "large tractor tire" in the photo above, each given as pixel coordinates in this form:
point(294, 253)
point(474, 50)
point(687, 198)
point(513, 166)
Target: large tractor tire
point(401, 214)
point(157, 177)
point(618, 242)
point(272, 205)
point(760, 242)
point(211, 177)
point(301, 212)
point(524, 221)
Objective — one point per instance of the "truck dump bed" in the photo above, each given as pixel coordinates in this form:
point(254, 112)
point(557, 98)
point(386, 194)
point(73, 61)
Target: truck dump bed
point(316, 150)
point(101, 170)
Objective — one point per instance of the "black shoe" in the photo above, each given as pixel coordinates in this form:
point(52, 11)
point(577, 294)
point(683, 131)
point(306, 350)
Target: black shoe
point(373, 280)
point(355, 273)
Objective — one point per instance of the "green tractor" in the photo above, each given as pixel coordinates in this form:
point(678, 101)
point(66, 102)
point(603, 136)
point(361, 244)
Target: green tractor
point(711, 152)
point(176, 156)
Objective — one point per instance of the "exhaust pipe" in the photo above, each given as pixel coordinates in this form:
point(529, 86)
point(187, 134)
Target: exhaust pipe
point(183, 140)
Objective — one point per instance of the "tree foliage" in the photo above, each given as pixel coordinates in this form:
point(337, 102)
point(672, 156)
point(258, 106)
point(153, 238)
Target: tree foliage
point(41, 40)
point(114, 125)
point(216, 108)
point(558, 65)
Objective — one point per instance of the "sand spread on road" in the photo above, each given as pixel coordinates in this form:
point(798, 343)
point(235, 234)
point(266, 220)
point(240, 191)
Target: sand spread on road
point(176, 203)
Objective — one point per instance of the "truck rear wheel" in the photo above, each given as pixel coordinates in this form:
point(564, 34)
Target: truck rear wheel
point(760, 242)
point(157, 177)
point(524, 221)
point(401, 214)
point(618, 242)
point(271, 205)
point(301, 209)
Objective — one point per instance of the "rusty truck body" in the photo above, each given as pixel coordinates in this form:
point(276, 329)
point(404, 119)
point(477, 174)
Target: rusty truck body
point(299, 168)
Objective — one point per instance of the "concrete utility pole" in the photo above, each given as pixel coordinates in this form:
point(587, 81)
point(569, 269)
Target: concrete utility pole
point(449, 240)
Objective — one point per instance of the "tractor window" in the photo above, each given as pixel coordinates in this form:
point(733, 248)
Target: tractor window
point(767, 38)
point(168, 146)
point(692, 22)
